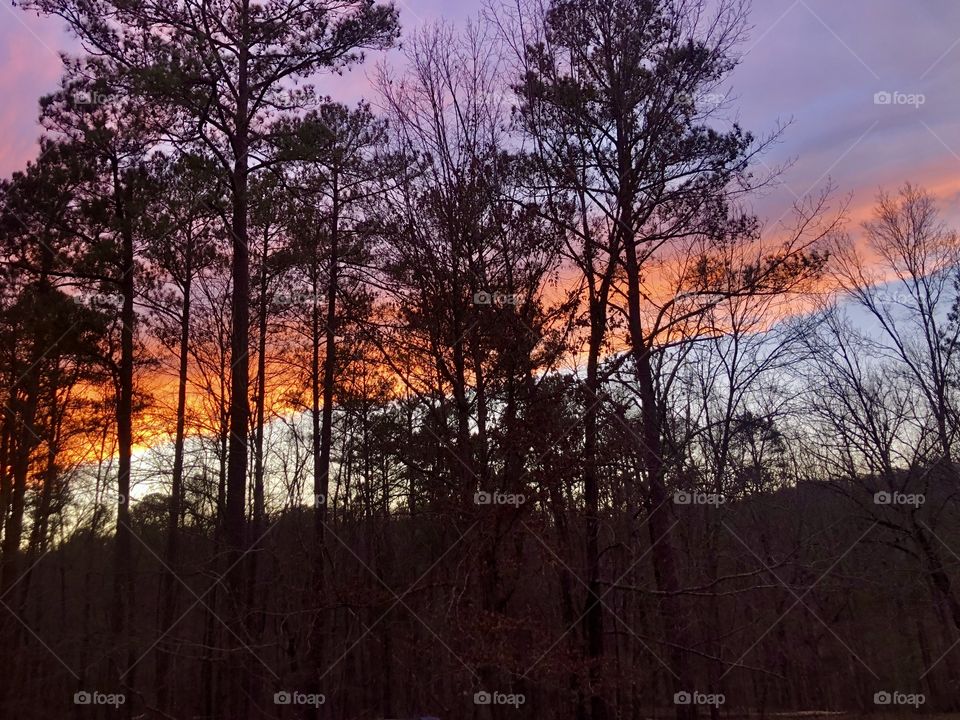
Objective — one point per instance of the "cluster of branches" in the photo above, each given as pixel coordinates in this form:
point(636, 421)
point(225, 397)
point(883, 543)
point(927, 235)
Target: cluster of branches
point(498, 388)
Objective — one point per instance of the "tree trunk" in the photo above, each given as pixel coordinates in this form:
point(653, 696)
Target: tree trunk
point(235, 520)
point(123, 581)
point(593, 613)
point(319, 490)
point(258, 469)
point(660, 520)
point(170, 588)
point(25, 442)
point(329, 360)
point(6, 487)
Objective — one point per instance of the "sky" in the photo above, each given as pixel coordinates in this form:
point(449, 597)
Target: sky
point(815, 64)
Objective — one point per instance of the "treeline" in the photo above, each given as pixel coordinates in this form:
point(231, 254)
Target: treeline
point(489, 398)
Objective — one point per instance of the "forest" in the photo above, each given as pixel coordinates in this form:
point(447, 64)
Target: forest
point(491, 396)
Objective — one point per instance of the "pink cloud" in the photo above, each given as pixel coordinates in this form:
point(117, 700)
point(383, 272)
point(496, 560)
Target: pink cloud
point(29, 48)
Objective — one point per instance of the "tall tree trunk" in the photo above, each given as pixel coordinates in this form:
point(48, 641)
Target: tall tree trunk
point(316, 398)
point(234, 706)
point(598, 298)
point(25, 412)
point(660, 520)
point(316, 647)
point(235, 520)
point(6, 486)
point(258, 467)
point(593, 613)
point(123, 579)
point(254, 622)
point(39, 535)
point(321, 476)
point(21, 449)
point(24, 396)
point(169, 591)
point(329, 360)
point(235, 537)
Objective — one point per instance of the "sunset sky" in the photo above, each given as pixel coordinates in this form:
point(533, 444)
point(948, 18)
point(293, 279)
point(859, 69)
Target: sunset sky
point(381, 407)
point(817, 63)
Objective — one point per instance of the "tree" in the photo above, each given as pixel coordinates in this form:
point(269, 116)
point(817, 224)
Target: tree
point(180, 244)
point(905, 294)
point(51, 340)
point(341, 168)
point(885, 390)
point(224, 71)
point(467, 266)
point(616, 98)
